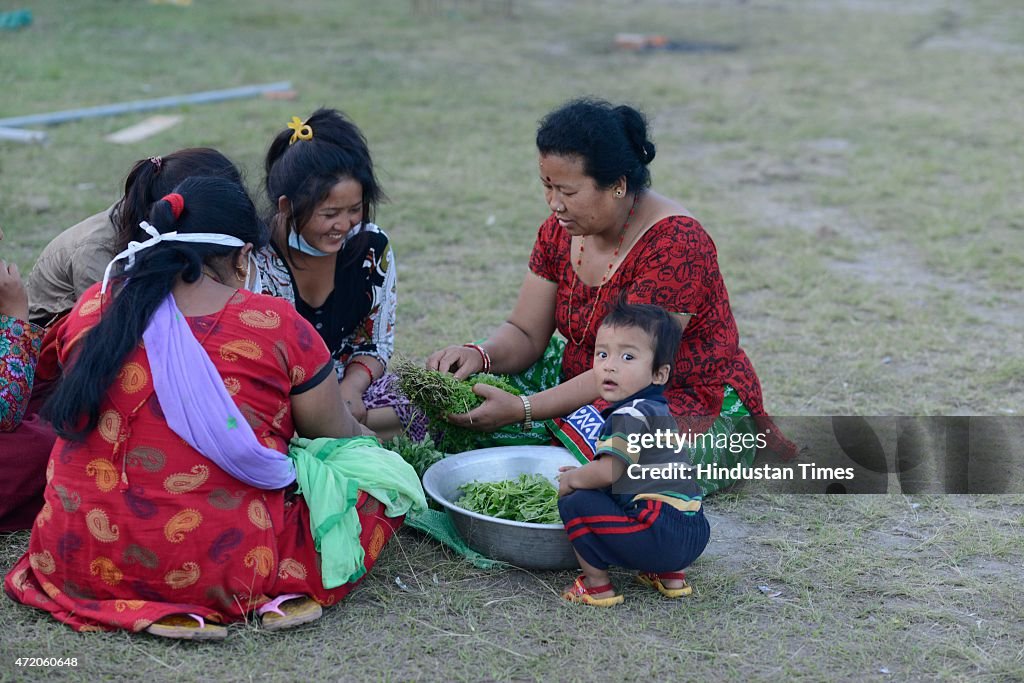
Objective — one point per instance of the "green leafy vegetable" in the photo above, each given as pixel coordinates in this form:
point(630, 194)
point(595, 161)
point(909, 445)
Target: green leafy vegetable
point(529, 498)
point(420, 455)
point(439, 394)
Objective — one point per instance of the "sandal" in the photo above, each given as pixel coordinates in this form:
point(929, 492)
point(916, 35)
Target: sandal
point(286, 611)
point(653, 580)
point(187, 627)
point(578, 592)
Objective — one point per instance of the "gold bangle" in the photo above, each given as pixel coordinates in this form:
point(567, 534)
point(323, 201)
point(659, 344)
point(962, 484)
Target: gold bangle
point(527, 414)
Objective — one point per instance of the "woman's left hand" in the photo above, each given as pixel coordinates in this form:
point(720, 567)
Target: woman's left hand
point(499, 408)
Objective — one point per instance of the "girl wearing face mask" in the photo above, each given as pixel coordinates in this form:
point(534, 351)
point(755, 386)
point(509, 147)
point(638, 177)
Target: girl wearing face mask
point(336, 266)
point(74, 260)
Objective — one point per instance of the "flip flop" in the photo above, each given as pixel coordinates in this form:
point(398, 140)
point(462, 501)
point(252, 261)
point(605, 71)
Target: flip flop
point(653, 580)
point(579, 593)
point(286, 611)
point(186, 627)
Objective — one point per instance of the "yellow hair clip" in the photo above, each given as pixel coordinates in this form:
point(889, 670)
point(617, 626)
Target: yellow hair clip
point(302, 130)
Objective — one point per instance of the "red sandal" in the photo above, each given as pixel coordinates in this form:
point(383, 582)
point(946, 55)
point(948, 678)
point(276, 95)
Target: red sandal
point(653, 580)
point(579, 592)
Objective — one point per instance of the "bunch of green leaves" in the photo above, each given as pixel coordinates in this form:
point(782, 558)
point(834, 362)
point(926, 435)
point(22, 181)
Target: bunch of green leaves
point(528, 498)
point(439, 394)
point(419, 454)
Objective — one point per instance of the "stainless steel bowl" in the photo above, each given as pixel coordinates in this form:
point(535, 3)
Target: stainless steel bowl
point(523, 544)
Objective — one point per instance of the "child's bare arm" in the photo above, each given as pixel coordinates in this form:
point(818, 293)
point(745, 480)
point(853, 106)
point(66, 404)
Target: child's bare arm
point(594, 475)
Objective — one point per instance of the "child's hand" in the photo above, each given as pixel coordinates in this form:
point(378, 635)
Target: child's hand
point(564, 487)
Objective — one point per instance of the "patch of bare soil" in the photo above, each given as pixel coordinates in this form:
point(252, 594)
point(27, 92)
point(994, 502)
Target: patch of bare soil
point(777, 194)
point(730, 541)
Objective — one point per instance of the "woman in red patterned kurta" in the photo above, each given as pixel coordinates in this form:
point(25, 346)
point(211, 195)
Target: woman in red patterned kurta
point(138, 525)
point(610, 235)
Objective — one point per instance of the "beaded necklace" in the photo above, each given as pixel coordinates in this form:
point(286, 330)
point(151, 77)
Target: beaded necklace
point(607, 273)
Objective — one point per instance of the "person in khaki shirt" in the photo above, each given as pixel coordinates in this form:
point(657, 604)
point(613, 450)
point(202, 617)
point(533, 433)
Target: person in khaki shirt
point(69, 265)
point(77, 257)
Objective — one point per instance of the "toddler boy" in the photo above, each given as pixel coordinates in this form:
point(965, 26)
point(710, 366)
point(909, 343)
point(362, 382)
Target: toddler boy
point(655, 526)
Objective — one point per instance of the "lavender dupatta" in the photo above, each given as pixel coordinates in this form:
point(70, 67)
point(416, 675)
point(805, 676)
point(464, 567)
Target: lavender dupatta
point(199, 409)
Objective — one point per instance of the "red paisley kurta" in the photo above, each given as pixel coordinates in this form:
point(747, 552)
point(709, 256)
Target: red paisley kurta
point(673, 265)
point(137, 524)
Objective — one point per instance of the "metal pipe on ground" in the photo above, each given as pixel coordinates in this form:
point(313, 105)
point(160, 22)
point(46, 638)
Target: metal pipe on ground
point(10, 126)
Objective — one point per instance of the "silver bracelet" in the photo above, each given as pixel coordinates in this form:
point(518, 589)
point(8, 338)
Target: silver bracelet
point(527, 413)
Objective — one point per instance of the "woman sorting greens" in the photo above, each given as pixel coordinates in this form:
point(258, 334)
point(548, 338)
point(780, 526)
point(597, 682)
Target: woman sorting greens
point(609, 235)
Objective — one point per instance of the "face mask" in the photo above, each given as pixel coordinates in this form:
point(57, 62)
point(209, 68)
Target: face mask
point(257, 281)
point(296, 241)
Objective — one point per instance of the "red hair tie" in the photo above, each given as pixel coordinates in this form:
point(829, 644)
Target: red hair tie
point(177, 203)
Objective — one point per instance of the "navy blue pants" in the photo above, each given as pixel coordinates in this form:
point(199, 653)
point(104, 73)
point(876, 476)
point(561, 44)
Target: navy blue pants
point(646, 535)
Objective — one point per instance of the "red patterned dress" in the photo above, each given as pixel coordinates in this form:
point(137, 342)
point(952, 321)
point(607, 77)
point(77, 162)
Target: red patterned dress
point(673, 265)
point(137, 524)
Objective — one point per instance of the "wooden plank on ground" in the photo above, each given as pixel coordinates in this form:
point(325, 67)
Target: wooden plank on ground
point(144, 129)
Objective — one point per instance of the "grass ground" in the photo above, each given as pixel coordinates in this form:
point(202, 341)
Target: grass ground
point(858, 164)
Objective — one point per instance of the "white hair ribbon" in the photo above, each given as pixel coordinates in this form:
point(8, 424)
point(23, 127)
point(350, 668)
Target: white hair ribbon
point(156, 238)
